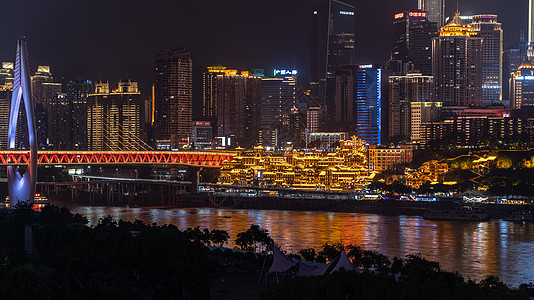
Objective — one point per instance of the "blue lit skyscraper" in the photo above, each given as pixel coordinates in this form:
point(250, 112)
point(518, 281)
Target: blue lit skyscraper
point(369, 103)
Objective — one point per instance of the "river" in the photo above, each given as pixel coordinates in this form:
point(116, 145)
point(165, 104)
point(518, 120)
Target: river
point(475, 249)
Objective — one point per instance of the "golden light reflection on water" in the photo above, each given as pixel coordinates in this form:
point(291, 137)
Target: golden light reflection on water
point(474, 249)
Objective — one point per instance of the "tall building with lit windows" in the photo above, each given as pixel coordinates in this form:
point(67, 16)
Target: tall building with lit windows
point(435, 10)
point(77, 92)
point(457, 64)
point(403, 91)
point(48, 113)
point(173, 97)
point(522, 86)
point(115, 118)
point(238, 97)
point(490, 30)
point(209, 91)
point(412, 39)
point(333, 44)
point(6, 88)
point(278, 95)
point(511, 61)
point(368, 104)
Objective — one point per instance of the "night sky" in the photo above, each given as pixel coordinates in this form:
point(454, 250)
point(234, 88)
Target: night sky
point(110, 40)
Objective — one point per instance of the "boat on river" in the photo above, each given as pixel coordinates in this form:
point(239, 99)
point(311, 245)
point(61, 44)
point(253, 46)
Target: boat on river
point(458, 213)
point(520, 216)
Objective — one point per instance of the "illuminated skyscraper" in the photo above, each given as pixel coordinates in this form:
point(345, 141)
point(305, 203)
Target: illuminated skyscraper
point(46, 92)
point(412, 41)
point(435, 10)
point(115, 118)
point(6, 88)
point(522, 86)
point(369, 81)
point(278, 94)
point(487, 27)
point(77, 93)
point(173, 91)
point(511, 62)
point(403, 91)
point(238, 97)
point(457, 65)
point(333, 43)
point(209, 91)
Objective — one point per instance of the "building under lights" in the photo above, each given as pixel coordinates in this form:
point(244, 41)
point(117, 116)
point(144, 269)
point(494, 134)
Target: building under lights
point(173, 96)
point(522, 86)
point(346, 169)
point(368, 103)
point(115, 118)
point(435, 10)
point(412, 39)
point(333, 44)
point(457, 64)
point(487, 27)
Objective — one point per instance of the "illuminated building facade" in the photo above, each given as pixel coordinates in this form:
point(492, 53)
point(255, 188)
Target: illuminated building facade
point(209, 91)
point(511, 62)
point(46, 93)
point(412, 39)
point(6, 88)
point(238, 97)
point(173, 96)
point(457, 65)
point(368, 118)
point(345, 169)
point(487, 27)
point(435, 10)
point(384, 158)
point(325, 140)
point(202, 134)
point(333, 44)
point(404, 90)
point(278, 95)
point(316, 117)
point(77, 93)
point(114, 118)
point(423, 112)
point(522, 86)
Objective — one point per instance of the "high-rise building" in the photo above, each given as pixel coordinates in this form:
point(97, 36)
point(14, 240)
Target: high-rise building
point(522, 86)
point(238, 97)
point(404, 90)
point(487, 27)
point(6, 88)
point(457, 65)
point(369, 94)
point(48, 114)
point(435, 10)
point(345, 97)
point(412, 39)
point(173, 96)
point(209, 91)
point(333, 44)
point(421, 113)
point(278, 95)
point(115, 118)
point(77, 92)
point(511, 62)
point(315, 119)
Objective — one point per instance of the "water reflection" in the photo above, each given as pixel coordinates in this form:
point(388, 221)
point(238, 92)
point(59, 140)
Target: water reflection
point(474, 249)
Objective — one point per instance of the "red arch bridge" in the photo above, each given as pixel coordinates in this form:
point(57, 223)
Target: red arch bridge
point(209, 159)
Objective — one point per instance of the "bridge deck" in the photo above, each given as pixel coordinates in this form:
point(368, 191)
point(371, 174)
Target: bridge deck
point(190, 158)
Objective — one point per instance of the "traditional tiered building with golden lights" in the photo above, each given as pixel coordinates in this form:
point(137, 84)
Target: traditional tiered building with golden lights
point(343, 170)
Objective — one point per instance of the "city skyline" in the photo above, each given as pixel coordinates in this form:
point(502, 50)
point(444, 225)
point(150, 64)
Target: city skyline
point(128, 53)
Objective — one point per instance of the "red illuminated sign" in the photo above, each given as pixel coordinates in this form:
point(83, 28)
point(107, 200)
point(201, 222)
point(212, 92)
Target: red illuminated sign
point(399, 15)
point(418, 14)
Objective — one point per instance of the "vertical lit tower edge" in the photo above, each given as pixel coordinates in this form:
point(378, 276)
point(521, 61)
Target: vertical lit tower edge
point(530, 52)
point(22, 187)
